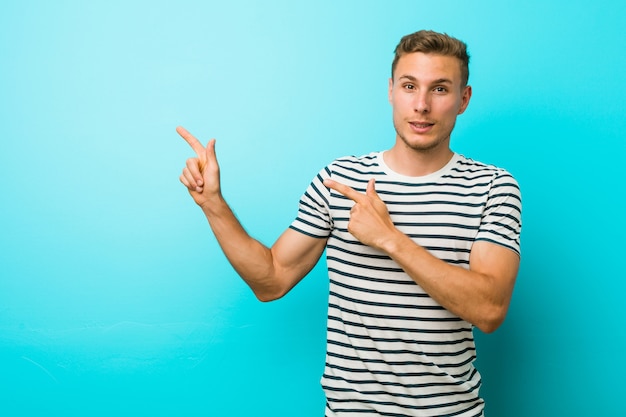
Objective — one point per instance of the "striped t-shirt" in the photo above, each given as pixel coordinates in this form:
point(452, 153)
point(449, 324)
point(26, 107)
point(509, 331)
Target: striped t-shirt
point(391, 349)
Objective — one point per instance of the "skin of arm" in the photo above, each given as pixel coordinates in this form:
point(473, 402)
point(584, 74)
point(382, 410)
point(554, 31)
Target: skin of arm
point(270, 272)
point(480, 295)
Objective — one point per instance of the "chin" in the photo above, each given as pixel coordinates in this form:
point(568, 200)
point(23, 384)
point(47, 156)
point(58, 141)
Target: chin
point(424, 145)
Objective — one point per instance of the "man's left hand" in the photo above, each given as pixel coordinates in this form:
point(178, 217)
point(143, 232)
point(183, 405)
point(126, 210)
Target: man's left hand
point(369, 221)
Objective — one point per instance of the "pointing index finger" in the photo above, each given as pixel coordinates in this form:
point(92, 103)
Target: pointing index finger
point(191, 140)
point(343, 189)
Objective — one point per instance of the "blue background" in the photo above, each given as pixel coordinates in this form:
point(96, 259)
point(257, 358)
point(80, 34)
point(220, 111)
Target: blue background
point(114, 296)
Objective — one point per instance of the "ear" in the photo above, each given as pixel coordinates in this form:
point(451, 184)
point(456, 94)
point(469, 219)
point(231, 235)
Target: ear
point(390, 89)
point(466, 94)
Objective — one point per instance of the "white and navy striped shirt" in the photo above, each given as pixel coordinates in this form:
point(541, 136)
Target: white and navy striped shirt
point(392, 350)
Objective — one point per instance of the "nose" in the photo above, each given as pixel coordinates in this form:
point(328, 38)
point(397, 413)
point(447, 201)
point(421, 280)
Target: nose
point(422, 103)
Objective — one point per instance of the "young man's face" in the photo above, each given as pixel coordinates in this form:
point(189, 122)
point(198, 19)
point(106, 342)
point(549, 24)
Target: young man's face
point(426, 95)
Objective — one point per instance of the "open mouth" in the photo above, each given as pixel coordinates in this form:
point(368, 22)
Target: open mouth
point(421, 127)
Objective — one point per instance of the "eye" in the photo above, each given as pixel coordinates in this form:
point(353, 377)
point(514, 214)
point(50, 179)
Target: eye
point(409, 86)
point(440, 89)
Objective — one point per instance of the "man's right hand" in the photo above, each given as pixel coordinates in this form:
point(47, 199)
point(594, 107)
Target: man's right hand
point(270, 272)
point(201, 175)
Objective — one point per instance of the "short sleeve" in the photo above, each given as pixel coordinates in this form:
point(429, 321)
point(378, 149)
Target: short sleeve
point(313, 211)
point(502, 216)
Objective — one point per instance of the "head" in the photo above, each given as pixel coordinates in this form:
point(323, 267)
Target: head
point(429, 42)
point(428, 90)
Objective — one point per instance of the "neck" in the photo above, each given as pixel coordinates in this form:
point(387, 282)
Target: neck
point(417, 163)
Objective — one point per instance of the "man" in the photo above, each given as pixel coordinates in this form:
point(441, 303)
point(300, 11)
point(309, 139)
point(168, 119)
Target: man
point(422, 245)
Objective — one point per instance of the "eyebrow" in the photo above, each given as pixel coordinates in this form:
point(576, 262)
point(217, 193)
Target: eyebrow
point(437, 81)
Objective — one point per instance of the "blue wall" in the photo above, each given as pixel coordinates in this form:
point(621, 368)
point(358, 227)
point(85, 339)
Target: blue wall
point(114, 296)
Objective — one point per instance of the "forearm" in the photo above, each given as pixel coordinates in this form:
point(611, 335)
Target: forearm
point(480, 295)
point(252, 260)
point(477, 297)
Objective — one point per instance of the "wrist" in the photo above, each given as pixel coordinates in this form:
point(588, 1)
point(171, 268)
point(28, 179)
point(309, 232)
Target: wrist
point(214, 205)
point(393, 242)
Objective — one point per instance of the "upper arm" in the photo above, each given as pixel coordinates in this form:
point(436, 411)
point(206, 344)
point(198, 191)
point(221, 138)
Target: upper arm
point(294, 255)
point(495, 252)
point(500, 264)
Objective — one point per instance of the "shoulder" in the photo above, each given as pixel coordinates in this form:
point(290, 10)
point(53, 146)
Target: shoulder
point(347, 168)
point(471, 168)
point(365, 161)
point(356, 165)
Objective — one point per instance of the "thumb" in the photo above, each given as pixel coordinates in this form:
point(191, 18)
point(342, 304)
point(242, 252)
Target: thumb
point(211, 158)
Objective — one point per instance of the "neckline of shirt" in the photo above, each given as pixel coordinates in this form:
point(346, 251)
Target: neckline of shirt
point(433, 175)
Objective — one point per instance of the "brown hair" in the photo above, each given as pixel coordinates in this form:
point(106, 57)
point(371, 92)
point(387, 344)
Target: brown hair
point(429, 42)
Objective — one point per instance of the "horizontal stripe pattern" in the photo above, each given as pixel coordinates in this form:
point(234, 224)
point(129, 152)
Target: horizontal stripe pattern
point(392, 350)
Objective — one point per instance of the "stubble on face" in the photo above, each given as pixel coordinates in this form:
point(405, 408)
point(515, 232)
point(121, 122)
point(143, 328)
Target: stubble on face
point(423, 116)
point(423, 147)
